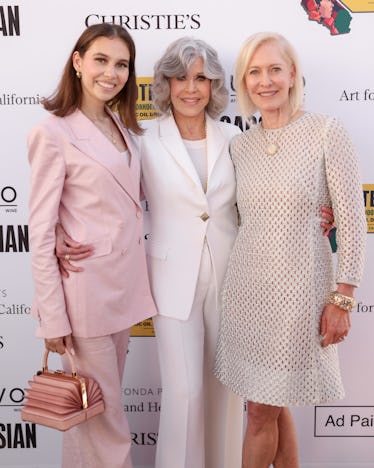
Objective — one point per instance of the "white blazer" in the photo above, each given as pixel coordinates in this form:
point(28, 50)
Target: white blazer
point(181, 215)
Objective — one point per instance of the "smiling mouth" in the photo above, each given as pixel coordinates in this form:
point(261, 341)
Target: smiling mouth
point(190, 101)
point(268, 94)
point(108, 86)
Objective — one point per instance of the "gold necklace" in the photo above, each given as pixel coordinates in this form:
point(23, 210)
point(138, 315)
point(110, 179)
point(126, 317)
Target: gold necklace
point(109, 134)
point(99, 124)
point(272, 147)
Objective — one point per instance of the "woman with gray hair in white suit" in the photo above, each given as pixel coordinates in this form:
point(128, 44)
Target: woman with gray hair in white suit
point(189, 183)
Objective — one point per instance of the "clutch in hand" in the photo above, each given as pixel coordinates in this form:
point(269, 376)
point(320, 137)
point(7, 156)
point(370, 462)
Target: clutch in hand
point(58, 400)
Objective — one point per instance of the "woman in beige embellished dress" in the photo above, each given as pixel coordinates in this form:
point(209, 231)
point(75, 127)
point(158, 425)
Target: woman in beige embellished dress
point(284, 309)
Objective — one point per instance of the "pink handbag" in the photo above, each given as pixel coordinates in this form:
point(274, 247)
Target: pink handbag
point(61, 401)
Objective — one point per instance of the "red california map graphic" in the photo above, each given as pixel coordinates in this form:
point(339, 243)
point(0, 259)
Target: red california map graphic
point(329, 13)
point(336, 15)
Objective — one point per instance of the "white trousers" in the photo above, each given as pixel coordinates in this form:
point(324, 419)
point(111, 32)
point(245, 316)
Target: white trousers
point(201, 421)
point(103, 441)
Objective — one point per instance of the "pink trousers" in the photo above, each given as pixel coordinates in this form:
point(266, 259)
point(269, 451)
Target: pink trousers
point(105, 440)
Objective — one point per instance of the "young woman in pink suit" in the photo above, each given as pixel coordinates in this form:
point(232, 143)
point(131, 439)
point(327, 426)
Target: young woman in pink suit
point(85, 174)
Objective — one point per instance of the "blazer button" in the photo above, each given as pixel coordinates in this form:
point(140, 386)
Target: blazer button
point(204, 217)
point(123, 251)
point(138, 214)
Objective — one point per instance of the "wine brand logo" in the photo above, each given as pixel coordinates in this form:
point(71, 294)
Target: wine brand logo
point(144, 106)
point(144, 328)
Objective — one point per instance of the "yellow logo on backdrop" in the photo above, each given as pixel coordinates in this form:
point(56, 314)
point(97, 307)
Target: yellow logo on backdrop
point(144, 328)
point(369, 205)
point(144, 106)
point(359, 6)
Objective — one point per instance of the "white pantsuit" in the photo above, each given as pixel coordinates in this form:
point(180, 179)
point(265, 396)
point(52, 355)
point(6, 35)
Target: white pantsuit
point(190, 239)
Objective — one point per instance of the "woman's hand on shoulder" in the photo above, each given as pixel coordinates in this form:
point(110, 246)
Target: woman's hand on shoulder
point(68, 249)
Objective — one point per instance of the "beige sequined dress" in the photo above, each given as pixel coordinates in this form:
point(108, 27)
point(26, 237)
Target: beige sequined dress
point(281, 269)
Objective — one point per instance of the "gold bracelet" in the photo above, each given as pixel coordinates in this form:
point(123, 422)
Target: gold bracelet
point(340, 300)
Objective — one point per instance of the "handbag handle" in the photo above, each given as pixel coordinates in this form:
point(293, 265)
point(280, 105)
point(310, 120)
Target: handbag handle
point(82, 382)
point(71, 360)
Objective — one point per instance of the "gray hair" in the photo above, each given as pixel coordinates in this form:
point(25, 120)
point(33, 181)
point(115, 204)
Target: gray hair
point(176, 61)
point(250, 46)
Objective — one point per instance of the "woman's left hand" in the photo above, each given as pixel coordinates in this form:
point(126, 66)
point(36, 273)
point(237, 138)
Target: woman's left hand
point(335, 325)
point(68, 249)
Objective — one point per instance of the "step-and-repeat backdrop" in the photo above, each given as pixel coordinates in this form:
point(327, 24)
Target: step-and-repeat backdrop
point(335, 43)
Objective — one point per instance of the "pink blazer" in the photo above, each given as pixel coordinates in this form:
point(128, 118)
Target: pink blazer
point(80, 179)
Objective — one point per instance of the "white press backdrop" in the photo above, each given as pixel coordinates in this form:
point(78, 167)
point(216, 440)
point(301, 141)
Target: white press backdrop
point(35, 40)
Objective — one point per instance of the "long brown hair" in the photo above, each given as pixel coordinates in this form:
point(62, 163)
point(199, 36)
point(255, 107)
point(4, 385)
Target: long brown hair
point(68, 95)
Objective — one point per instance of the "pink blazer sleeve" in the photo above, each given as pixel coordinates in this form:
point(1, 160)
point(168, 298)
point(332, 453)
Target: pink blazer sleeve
point(47, 180)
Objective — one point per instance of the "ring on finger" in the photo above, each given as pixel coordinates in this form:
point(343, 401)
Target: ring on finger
point(67, 257)
point(341, 338)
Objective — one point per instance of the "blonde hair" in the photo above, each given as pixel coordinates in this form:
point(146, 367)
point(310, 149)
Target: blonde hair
point(248, 49)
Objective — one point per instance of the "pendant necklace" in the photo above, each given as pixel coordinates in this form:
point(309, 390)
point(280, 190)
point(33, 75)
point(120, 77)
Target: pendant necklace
point(100, 125)
point(109, 134)
point(272, 147)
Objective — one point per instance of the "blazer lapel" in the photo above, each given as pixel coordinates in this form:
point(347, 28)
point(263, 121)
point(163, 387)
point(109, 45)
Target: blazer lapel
point(172, 141)
point(133, 148)
point(92, 142)
point(215, 144)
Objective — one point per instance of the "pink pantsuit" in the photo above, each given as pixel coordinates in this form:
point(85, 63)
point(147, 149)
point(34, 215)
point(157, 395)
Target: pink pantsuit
point(80, 179)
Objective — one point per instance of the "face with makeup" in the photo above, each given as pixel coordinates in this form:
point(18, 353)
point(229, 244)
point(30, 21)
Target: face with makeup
point(104, 69)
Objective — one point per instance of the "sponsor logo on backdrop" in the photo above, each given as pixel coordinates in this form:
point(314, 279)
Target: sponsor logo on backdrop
point(369, 205)
point(13, 99)
point(17, 435)
point(144, 106)
point(9, 20)
point(334, 14)
point(14, 238)
point(8, 199)
point(144, 328)
point(344, 421)
point(184, 22)
point(2, 342)
point(11, 397)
